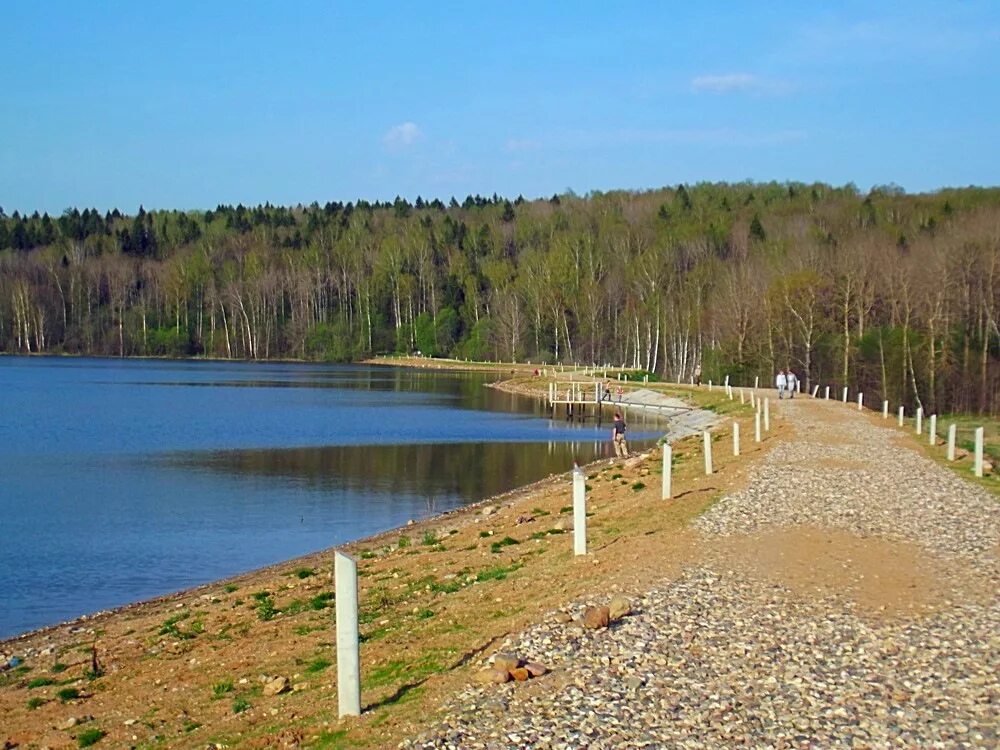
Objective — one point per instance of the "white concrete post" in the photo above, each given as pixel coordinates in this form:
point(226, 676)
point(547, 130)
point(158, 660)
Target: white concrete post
point(348, 653)
point(977, 465)
point(932, 431)
point(710, 386)
point(706, 438)
point(798, 386)
point(844, 397)
point(861, 401)
point(579, 511)
point(736, 438)
point(920, 420)
point(756, 427)
point(885, 410)
point(951, 441)
point(815, 390)
point(767, 415)
point(668, 467)
point(826, 393)
point(756, 381)
point(726, 381)
point(900, 416)
point(741, 396)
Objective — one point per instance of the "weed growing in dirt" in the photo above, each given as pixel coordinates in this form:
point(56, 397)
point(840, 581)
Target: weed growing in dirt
point(496, 573)
point(68, 694)
point(88, 737)
point(58, 667)
point(240, 705)
point(220, 689)
point(505, 542)
point(322, 600)
point(35, 702)
point(230, 588)
point(40, 682)
point(170, 627)
point(302, 573)
point(429, 539)
point(638, 486)
point(318, 666)
point(404, 541)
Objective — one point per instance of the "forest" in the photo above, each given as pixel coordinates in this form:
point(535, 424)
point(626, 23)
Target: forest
point(897, 294)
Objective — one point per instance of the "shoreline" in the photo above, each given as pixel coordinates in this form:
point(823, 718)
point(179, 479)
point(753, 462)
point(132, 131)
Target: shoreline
point(187, 669)
point(88, 619)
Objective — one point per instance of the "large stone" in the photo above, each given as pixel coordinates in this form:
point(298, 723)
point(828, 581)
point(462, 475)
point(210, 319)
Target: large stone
point(535, 669)
point(492, 675)
point(520, 674)
point(596, 617)
point(506, 662)
point(619, 607)
point(275, 686)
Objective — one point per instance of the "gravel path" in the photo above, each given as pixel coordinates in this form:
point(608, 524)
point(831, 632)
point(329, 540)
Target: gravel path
point(722, 659)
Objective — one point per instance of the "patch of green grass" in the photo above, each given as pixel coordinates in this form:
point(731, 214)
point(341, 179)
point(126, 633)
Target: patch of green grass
point(592, 476)
point(616, 476)
point(539, 513)
point(425, 614)
point(538, 535)
point(566, 509)
point(322, 600)
point(507, 541)
point(553, 532)
point(429, 539)
point(400, 670)
point(265, 607)
point(190, 726)
point(294, 607)
point(89, 737)
point(485, 534)
point(240, 705)
point(446, 587)
point(40, 682)
point(302, 573)
point(221, 689)
point(638, 486)
point(587, 487)
point(307, 629)
point(318, 665)
point(68, 694)
point(58, 667)
point(329, 740)
point(230, 588)
point(404, 541)
point(170, 627)
point(496, 573)
point(35, 702)
point(367, 554)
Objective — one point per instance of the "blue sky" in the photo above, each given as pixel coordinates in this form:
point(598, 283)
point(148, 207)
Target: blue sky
point(190, 104)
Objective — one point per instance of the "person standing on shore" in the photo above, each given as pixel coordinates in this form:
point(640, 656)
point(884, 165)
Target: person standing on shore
point(781, 381)
point(618, 436)
point(791, 382)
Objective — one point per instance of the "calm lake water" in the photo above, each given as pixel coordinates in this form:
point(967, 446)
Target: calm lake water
point(125, 479)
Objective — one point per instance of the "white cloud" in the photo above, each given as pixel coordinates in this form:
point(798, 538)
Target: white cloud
point(402, 135)
point(732, 83)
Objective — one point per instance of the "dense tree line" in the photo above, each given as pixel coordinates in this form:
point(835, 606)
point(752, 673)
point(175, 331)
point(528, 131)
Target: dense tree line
point(897, 294)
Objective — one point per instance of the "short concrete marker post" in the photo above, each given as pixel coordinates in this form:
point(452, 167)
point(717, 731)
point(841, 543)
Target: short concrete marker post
point(977, 464)
point(861, 401)
point(579, 511)
point(706, 437)
point(668, 467)
point(952, 429)
point(767, 415)
point(932, 430)
point(756, 427)
point(885, 410)
point(900, 416)
point(736, 438)
point(348, 652)
point(741, 397)
point(844, 395)
point(756, 381)
point(815, 390)
point(920, 420)
point(709, 386)
point(826, 393)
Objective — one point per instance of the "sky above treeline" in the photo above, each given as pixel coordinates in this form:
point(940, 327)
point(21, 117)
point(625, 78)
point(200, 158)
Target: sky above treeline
point(190, 104)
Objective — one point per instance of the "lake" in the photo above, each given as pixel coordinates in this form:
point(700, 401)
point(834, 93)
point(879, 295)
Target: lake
point(121, 480)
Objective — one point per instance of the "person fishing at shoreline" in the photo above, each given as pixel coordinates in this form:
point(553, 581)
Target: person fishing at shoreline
point(618, 436)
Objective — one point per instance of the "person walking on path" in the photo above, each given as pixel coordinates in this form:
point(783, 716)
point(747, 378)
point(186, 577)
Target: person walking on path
point(781, 381)
point(791, 382)
point(618, 436)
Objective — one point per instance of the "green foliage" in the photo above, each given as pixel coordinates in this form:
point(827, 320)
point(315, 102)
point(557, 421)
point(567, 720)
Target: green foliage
point(404, 541)
point(68, 694)
point(639, 486)
point(322, 600)
point(240, 705)
point(507, 541)
point(302, 573)
point(221, 689)
point(317, 665)
point(89, 737)
point(35, 702)
point(266, 609)
point(332, 342)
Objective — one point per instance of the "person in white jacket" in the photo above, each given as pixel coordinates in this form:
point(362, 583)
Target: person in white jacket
point(791, 383)
point(781, 381)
